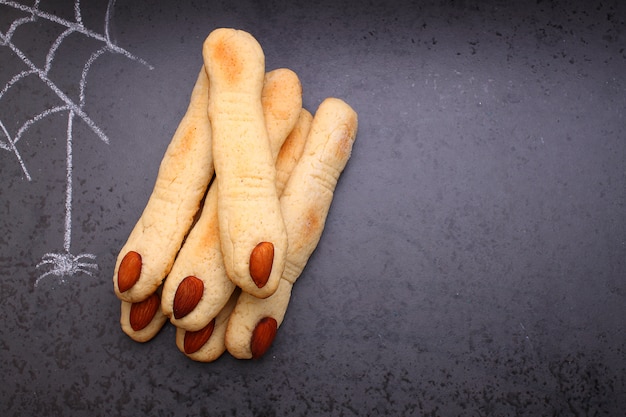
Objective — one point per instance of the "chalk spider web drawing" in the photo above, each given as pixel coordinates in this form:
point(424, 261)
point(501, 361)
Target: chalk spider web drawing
point(63, 263)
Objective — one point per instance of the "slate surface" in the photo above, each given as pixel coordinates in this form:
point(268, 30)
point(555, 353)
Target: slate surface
point(474, 258)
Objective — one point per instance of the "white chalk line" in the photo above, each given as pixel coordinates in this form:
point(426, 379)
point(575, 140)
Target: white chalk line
point(53, 49)
point(86, 68)
point(11, 147)
point(77, 13)
point(14, 80)
point(37, 118)
point(12, 141)
point(67, 236)
point(107, 19)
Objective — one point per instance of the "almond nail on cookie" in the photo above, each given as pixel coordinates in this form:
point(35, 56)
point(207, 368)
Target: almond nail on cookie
point(142, 320)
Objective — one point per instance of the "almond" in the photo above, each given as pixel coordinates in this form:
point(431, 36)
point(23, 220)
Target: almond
point(195, 340)
point(187, 296)
point(261, 260)
point(263, 336)
point(142, 313)
point(129, 271)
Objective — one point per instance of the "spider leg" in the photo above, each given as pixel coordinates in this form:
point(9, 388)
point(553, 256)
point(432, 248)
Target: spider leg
point(86, 265)
point(85, 255)
point(42, 276)
point(52, 257)
point(85, 271)
point(45, 262)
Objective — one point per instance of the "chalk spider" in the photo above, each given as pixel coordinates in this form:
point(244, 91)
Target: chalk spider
point(66, 264)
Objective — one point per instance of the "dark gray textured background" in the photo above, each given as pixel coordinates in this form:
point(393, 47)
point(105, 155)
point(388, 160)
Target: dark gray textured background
point(474, 258)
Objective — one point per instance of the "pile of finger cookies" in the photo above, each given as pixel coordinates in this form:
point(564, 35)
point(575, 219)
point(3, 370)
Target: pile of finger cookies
point(238, 207)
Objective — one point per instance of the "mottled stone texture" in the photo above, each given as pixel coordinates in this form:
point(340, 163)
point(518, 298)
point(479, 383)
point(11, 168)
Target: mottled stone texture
point(474, 258)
